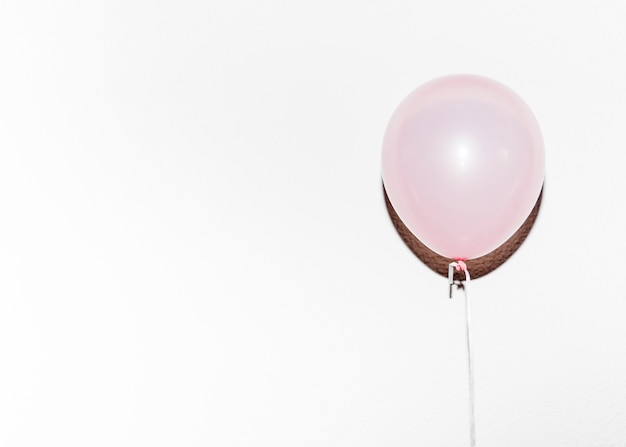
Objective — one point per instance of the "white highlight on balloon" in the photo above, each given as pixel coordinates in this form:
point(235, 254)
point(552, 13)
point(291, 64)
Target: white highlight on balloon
point(462, 154)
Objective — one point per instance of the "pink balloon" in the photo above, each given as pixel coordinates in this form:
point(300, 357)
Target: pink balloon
point(463, 164)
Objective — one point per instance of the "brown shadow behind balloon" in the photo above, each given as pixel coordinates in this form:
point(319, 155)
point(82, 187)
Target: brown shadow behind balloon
point(477, 267)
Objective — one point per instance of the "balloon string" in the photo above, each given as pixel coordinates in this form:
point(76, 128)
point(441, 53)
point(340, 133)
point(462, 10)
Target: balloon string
point(461, 266)
point(470, 360)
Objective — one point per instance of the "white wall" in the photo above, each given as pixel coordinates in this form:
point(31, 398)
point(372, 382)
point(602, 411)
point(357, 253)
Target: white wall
point(194, 248)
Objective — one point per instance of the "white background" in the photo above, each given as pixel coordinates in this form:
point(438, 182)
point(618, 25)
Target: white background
point(194, 248)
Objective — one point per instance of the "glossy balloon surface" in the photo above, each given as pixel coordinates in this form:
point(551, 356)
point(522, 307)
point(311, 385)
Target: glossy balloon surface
point(463, 164)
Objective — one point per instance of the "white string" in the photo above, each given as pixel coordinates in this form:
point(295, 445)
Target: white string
point(470, 359)
point(468, 320)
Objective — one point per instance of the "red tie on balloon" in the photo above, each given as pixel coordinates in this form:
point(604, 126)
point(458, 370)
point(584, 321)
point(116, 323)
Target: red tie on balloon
point(463, 166)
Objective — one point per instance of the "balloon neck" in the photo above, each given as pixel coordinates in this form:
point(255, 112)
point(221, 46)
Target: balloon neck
point(460, 266)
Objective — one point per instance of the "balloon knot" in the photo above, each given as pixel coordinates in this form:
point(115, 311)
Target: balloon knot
point(460, 266)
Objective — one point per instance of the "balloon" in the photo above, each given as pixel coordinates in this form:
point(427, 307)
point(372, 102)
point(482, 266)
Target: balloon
point(463, 164)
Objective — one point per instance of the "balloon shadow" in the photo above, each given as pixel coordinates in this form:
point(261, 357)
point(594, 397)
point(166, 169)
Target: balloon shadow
point(477, 267)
